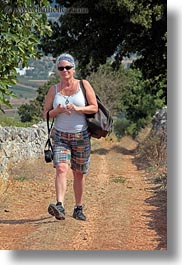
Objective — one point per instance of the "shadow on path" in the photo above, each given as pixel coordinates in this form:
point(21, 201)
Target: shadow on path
point(24, 221)
point(115, 148)
point(158, 216)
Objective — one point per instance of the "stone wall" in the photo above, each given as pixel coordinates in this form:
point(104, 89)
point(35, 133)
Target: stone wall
point(20, 143)
point(159, 123)
point(160, 119)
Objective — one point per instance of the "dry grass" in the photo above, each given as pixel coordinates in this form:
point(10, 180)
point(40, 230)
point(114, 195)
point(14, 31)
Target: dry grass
point(152, 154)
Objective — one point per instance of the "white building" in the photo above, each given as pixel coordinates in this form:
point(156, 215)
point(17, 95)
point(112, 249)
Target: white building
point(22, 71)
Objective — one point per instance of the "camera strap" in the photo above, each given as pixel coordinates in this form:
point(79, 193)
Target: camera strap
point(48, 142)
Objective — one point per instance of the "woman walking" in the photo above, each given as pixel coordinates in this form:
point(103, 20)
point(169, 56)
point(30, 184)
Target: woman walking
point(71, 141)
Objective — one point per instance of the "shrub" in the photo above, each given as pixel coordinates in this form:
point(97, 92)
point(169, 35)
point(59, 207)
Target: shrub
point(8, 121)
point(120, 127)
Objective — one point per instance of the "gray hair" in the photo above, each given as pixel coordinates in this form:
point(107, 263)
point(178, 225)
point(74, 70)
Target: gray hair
point(65, 57)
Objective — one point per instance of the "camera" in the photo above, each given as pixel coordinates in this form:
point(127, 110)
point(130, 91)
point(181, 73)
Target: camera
point(48, 155)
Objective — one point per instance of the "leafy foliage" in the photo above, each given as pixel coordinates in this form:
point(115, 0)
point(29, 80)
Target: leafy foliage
point(109, 84)
point(20, 32)
point(116, 29)
point(120, 127)
point(9, 121)
point(137, 102)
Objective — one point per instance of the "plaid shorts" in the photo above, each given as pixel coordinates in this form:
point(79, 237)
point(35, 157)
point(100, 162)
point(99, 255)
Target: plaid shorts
point(72, 148)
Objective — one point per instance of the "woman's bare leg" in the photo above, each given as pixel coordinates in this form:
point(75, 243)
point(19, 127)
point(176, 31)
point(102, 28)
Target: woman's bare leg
point(78, 187)
point(61, 181)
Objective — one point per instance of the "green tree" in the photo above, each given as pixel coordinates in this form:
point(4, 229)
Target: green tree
point(21, 28)
point(138, 104)
point(117, 29)
point(109, 84)
point(113, 27)
point(27, 112)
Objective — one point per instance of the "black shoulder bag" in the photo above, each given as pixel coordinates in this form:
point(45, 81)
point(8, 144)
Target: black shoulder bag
point(48, 150)
point(100, 123)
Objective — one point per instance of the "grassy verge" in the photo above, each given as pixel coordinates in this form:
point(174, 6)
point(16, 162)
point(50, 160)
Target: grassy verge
point(152, 155)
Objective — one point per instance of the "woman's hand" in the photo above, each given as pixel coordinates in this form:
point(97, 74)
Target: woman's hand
point(63, 109)
point(71, 107)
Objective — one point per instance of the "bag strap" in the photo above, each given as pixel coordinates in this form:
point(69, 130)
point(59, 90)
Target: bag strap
point(55, 89)
point(84, 91)
point(47, 116)
point(48, 142)
point(49, 128)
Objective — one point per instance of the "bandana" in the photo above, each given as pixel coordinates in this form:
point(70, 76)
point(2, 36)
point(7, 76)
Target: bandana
point(68, 59)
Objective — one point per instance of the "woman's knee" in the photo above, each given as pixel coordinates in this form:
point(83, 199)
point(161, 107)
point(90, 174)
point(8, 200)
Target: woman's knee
point(78, 175)
point(62, 169)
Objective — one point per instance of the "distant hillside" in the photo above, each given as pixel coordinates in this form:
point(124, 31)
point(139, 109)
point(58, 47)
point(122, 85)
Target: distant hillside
point(24, 91)
point(33, 76)
point(37, 69)
point(29, 79)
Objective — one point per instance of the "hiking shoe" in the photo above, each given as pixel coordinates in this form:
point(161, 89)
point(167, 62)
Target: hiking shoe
point(57, 211)
point(78, 214)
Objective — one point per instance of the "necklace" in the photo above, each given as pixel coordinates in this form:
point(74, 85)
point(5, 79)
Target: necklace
point(67, 97)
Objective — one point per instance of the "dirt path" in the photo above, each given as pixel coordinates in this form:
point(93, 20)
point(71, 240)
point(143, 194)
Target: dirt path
point(123, 210)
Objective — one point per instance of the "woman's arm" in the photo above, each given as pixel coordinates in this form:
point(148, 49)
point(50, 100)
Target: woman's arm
point(48, 105)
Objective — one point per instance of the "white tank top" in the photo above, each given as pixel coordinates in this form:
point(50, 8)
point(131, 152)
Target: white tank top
point(75, 122)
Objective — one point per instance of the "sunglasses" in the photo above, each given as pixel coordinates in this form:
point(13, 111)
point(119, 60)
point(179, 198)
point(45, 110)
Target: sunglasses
point(67, 67)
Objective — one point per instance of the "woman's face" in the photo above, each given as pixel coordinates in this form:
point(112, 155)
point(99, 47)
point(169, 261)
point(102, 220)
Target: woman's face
point(65, 69)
